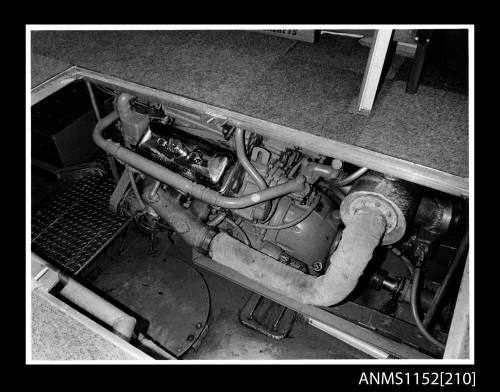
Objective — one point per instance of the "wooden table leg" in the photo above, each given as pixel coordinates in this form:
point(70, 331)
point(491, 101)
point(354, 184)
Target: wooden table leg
point(373, 70)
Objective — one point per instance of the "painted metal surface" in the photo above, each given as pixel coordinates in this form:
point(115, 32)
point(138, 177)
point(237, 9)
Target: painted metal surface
point(58, 329)
point(168, 294)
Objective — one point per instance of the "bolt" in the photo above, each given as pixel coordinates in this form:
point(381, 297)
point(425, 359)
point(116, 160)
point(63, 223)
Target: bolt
point(199, 325)
point(337, 164)
point(190, 338)
point(317, 266)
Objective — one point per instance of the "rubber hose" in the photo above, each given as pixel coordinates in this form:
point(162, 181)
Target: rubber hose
point(414, 309)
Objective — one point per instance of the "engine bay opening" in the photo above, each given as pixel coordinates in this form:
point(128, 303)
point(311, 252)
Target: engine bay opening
point(380, 252)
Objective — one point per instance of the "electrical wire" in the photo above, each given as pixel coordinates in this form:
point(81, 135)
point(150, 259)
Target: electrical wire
point(106, 90)
point(294, 222)
point(414, 308)
point(407, 261)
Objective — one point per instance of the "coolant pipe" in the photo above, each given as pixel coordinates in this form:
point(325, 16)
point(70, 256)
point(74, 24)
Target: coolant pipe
point(360, 237)
point(239, 139)
point(176, 181)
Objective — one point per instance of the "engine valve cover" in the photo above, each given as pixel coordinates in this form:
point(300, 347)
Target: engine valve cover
point(200, 160)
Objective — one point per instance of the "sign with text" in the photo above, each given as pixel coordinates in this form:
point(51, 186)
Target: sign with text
point(300, 35)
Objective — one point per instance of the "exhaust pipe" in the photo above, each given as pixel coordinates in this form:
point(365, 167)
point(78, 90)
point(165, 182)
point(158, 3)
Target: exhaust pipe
point(375, 211)
point(347, 264)
point(362, 235)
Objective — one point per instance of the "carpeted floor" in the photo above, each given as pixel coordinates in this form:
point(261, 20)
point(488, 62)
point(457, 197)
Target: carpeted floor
point(309, 87)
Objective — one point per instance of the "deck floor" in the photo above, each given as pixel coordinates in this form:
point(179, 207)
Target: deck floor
point(226, 338)
point(308, 87)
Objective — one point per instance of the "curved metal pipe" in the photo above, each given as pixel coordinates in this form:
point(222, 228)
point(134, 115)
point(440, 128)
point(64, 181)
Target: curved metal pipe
point(176, 181)
point(354, 176)
point(294, 222)
point(239, 139)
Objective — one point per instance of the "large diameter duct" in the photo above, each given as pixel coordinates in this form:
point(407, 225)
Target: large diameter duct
point(395, 199)
point(360, 238)
point(375, 211)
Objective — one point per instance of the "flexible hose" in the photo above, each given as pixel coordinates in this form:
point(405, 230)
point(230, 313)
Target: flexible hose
point(360, 238)
point(405, 259)
point(296, 221)
point(354, 176)
point(240, 231)
point(414, 309)
point(239, 138)
point(217, 220)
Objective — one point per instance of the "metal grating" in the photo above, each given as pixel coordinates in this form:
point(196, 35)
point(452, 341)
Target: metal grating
point(74, 226)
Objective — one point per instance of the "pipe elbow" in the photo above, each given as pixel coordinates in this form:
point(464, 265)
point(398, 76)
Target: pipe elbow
point(348, 262)
point(355, 249)
point(102, 124)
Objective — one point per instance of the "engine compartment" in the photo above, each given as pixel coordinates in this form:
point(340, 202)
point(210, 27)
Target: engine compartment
point(312, 227)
